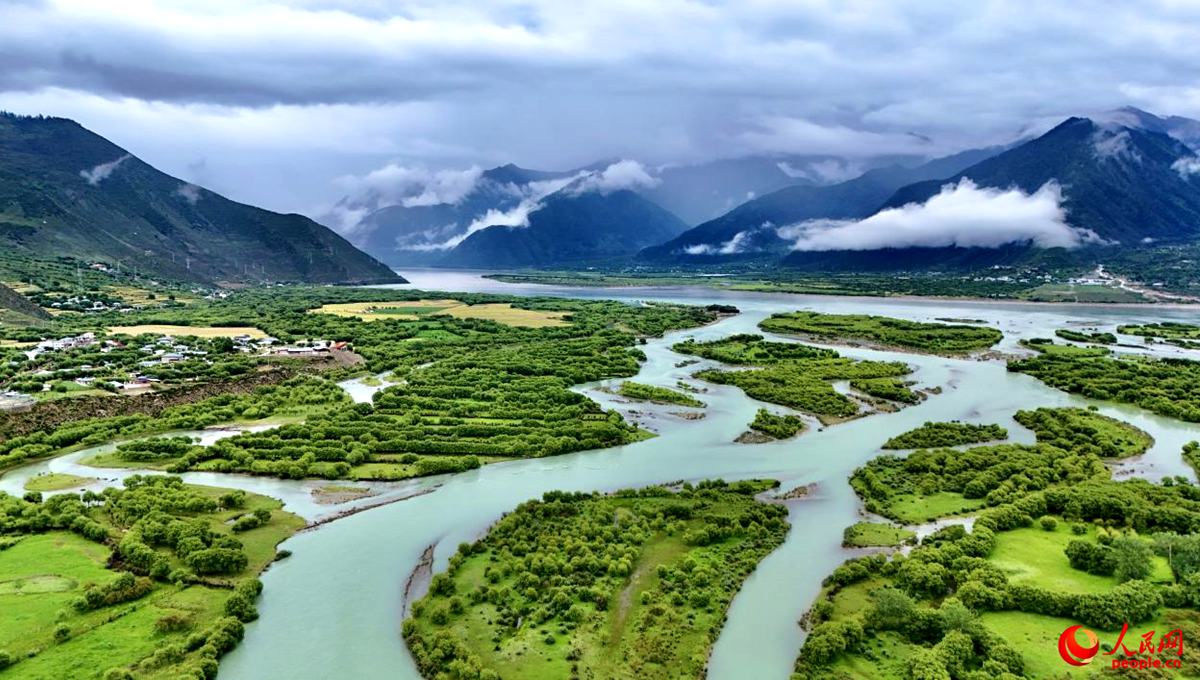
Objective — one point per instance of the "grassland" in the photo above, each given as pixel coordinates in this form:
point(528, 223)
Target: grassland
point(884, 332)
point(411, 310)
point(1072, 292)
point(1056, 542)
point(194, 331)
point(658, 395)
point(632, 585)
point(876, 535)
point(56, 481)
point(44, 574)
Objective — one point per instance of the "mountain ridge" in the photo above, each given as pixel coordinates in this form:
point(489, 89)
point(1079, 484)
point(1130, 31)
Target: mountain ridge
point(64, 190)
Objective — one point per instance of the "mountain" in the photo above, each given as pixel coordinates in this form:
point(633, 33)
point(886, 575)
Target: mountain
point(65, 190)
point(1130, 185)
point(16, 309)
point(748, 231)
point(701, 192)
point(571, 226)
point(1186, 130)
point(405, 234)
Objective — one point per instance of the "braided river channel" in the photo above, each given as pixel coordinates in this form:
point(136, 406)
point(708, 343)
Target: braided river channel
point(334, 608)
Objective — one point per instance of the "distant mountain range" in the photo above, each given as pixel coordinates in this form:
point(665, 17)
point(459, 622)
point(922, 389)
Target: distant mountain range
point(750, 230)
point(1126, 184)
point(67, 191)
point(413, 230)
point(570, 227)
point(1126, 179)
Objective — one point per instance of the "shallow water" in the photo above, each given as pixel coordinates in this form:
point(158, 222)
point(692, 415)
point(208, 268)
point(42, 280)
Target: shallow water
point(333, 609)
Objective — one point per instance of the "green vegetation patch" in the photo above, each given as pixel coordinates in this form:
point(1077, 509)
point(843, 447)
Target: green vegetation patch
point(892, 389)
point(298, 395)
point(1098, 337)
point(792, 374)
point(954, 433)
point(876, 535)
point(1048, 346)
point(658, 395)
point(936, 338)
point(1168, 386)
point(1085, 431)
point(1057, 543)
point(936, 482)
point(56, 481)
point(629, 585)
point(775, 425)
point(154, 579)
point(1167, 330)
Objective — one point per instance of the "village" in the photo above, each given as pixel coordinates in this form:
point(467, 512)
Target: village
point(133, 365)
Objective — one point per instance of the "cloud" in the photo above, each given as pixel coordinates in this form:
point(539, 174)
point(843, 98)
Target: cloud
point(787, 134)
point(411, 186)
point(1114, 144)
point(961, 215)
point(625, 174)
point(1187, 166)
point(825, 171)
point(282, 96)
point(517, 216)
point(101, 172)
point(189, 192)
point(733, 246)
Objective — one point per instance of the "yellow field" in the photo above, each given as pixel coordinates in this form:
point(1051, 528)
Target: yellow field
point(411, 310)
point(22, 287)
point(198, 331)
point(141, 296)
point(401, 309)
point(16, 343)
point(505, 313)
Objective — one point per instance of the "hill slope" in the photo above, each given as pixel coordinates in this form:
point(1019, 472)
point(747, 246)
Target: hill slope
point(14, 308)
point(571, 227)
point(1129, 185)
point(404, 234)
point(749, 229)
point(67, 191)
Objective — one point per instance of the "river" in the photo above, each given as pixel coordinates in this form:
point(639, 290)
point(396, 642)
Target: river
point(333, 609)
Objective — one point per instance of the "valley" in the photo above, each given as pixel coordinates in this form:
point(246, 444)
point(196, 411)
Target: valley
point(311, 408)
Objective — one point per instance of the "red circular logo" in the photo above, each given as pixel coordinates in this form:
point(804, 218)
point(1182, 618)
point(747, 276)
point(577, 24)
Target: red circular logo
point(1072, 652)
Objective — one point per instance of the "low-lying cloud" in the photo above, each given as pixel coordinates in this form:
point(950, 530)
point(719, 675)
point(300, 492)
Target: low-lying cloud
point(733, 246)
point(190, 192)
point(411, 186)
point(1187, 166)
point(517, 216)
point(624, 174)
point(960, 215)
point(101, 172)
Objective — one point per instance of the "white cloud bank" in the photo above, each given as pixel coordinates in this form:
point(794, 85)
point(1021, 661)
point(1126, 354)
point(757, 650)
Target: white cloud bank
point(411, 186)
point(962, 215)
point(1188, 166)
point(517, 216)
point(733, 246)
point(101, 172)
point(624, 174)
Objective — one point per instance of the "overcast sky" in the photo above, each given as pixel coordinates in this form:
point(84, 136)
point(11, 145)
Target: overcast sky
point(277, 103)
